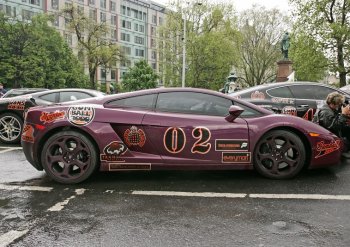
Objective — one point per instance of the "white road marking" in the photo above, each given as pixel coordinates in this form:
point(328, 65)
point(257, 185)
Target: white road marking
point(30, 188)
point(9, 149)
point(191, 194)
point(12, 147)
point(60, 205)
point(301, 196)
point(11, 236)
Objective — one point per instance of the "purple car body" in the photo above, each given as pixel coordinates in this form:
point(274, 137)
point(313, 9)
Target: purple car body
point(113, 133)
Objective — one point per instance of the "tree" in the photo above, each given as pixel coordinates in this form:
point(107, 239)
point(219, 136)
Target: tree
point(141, 76)
point(99, 50)
point(309, 63)
point(327, 22)
point(209, 48)
point(35, 55)
point(258, 44)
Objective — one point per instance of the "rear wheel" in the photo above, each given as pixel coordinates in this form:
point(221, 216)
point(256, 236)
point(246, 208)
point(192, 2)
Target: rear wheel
point(279, 154)
point(69, 157)
point(10, 128)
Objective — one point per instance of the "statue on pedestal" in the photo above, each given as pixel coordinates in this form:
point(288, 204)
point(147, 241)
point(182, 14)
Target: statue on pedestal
point(285, 45)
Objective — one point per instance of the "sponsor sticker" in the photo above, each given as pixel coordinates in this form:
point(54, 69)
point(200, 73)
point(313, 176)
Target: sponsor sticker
point(113, 151)
point(257, 95)
point(129, 166)
point(289, 110)
point(81, 115)
point(134, 137)
point(231, 145)
point(236, 157)
point(326, 148)
point(49, 117)
point(16, 105)
point(28, 133)
point(283, 100)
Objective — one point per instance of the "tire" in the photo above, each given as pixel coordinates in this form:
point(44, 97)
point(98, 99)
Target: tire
point(11, 126)
point(69, 157)
point(279, 154)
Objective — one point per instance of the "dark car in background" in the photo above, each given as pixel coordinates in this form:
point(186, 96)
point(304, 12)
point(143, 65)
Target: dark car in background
point(300, 99)
point(22, 91)
point(178, 128)
point(12, 109)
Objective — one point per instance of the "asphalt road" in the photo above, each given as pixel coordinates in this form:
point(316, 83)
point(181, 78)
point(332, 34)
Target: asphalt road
point(173, 208)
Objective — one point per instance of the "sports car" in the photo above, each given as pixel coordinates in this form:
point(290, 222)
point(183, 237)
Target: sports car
point(300, 99)
point(12, 109)
point(172, 128)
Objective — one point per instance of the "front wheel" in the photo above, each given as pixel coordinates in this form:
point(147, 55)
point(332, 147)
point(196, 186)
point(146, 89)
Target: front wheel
point(69, 157)
point(279, 154)
point(10, 128)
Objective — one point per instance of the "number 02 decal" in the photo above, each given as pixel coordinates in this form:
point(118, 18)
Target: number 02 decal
point(201, 145)
point(174, 140)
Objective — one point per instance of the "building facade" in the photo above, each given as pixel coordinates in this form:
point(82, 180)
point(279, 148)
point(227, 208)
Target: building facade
point(133, 26)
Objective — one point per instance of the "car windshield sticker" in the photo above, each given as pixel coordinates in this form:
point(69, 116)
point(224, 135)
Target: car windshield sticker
point(283, 100)
point(49, 117)
point(202, 145)
point(174, 140)
point(28, 133)
point(134, 137)
point(231, 145)
point(236, 157)
point(326, 148)
point(309, 115)
point(16, 105)
point(129, 166)
point(257, 95)
point(113, 151)
point(81, 115)
point(289, 110)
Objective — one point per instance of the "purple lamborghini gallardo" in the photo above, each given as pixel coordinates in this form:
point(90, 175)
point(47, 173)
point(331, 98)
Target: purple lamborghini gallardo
point(177, 128)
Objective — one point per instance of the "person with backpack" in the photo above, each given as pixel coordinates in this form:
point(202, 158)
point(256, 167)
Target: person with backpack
point(334, 116)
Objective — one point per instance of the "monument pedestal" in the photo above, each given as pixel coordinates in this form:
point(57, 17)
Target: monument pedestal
point(284, 69)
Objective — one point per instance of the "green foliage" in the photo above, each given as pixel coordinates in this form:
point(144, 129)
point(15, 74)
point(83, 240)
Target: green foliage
point(309, 62)
point(35, 55)
point(141, 76)
point(209, 47)
point(327, 22)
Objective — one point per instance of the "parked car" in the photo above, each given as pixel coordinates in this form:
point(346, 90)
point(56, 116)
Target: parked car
point(294, 98)
point(21, 91)
point(179, 128)
point(12, 109)
point(346, 89)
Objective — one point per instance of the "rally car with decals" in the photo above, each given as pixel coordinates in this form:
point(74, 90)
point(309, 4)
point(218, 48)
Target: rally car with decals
point(172, 128)
point(300, 99)
point(12, 109)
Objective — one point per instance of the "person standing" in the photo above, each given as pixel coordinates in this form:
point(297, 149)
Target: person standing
point(2, 90)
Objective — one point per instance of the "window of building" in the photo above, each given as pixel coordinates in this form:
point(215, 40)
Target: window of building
point(142, 28)
point(126, 50)
point(139, 40)
point(160, 20)
point(154, 19)
point(154, 55)
point(93, 14)
point(113, 20)
point(128, 11)
point(140, 15)
point(125, 63)
point(54, 4)
point(125, 37)
point(144, 16)
point(114, 34)
point(103, 73)
point(154, 66)
point(135, 13)
point(35, 2)
point(113, 6)
point(153, 43)
point(91, 2)
point(103, 4)
point(136, 27)
point(113, 72)
point(126, 24)
point(139, 52)
point(103, 17)
point(153, 31)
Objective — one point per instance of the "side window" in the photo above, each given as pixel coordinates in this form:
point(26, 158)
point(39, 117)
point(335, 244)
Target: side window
point(193, 103)
point(248, 112)
point(310, 92)
point(144, 101)
point(280, 92)
point(70, 96)
point(51, 97)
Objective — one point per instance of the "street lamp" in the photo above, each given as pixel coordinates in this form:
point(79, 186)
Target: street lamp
point(184, 49)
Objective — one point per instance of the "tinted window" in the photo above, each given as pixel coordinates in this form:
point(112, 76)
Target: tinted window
point(193, 103)
point(311, 92)
point(51, 97)
point(281, 92)
point(248, 112)
point(144, 101)
point(70, 96)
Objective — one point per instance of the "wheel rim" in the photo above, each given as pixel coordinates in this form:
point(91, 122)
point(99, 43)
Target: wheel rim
point(278, 155)
point(68, 157)
point(10, 128)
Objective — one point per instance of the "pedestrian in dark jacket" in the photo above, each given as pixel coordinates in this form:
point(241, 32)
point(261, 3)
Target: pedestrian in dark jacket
point(2, 90)
point(334, 116)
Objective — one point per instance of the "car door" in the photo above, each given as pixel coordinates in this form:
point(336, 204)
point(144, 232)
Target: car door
point(189, 128)
point(308, 98)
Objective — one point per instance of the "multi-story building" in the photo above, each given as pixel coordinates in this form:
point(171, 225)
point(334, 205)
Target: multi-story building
point(133, 25)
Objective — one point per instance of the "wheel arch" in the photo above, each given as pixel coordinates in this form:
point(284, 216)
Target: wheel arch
point(303, 138)
point(62, 128)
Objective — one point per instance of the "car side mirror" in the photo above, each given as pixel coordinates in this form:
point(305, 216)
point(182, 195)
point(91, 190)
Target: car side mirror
point(234, 112)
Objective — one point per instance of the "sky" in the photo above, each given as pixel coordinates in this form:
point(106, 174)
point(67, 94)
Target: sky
point(246, 4)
